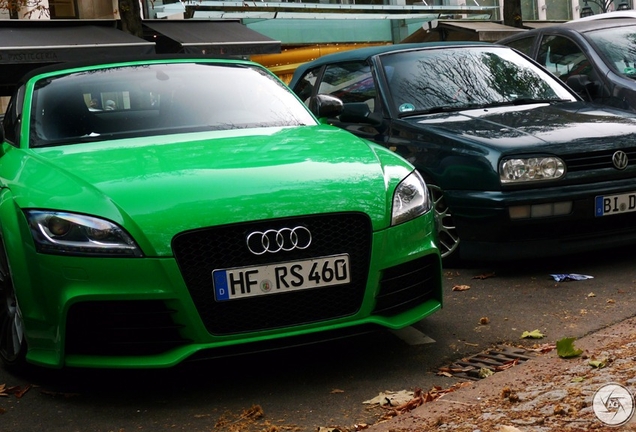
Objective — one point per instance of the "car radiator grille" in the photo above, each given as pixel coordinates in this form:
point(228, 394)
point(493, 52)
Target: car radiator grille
point(200, 252)
point(594, 160)
point(119, 328)
point(408, 285)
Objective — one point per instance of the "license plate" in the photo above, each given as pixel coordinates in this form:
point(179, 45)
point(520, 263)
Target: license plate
point(242, 282)
point(615, 204)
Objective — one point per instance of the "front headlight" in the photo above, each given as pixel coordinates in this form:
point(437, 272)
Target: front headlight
point(531, 169)
point(410, 199)
point(75, 234)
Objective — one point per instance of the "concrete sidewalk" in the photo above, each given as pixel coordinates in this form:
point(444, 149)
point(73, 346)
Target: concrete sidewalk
point(546, 393)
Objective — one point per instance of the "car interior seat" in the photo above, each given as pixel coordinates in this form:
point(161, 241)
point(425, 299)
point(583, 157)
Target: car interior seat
point(63, 115)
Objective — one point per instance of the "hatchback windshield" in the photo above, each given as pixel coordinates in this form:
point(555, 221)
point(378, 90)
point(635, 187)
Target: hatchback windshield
point(445, 79)
point(618, 46)
point(158, 99)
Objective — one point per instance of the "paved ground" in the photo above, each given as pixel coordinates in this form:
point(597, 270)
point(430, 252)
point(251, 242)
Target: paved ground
point(546, 393)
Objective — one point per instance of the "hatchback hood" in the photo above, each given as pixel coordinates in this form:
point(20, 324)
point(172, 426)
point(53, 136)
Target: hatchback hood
point(159, 186)
point(512, 127)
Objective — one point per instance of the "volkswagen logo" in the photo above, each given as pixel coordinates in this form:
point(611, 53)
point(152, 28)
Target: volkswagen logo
point(620, 160)
point(284, 239)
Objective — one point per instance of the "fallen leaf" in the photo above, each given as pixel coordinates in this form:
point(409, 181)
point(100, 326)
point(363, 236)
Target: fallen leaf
point(507, 365)
point(508, 429)
point(485, 372)
point(611, 301)
point(534, 334)
point(20, 392)
point(461, 287)
point(591, 294)
point(484, 275)
point(454, 370)
point(565, 348)
point(578, 379)
point(484, 320)
point(543, 348)
point(255, 412)
point(598, 364)
point(334, 391)
point(391, 398)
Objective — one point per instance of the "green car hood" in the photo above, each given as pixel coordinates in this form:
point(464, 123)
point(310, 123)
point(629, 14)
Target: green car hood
point(158, 186)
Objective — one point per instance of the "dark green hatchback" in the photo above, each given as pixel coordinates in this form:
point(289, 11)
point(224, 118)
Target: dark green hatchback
point(519, 166)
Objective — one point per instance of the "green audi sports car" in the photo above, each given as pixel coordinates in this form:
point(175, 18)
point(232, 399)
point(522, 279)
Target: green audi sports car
point(169, 209)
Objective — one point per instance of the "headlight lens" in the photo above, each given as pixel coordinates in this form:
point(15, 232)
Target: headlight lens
point(531, 169)
point(74, 234)
point(410, 199)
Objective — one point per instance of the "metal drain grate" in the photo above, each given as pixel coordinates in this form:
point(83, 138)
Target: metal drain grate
point(496, 359)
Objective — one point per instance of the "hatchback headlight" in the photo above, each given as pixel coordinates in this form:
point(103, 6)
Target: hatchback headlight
point(410, 200)
point(531, 169)
point(75, 234)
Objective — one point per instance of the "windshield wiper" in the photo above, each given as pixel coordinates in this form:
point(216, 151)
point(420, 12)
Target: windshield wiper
point(434, 110)
point(529, 101)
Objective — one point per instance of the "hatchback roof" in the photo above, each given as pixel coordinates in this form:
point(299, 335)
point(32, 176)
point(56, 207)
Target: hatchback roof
point(574, 27)
point(364, 53)
point(585, 26)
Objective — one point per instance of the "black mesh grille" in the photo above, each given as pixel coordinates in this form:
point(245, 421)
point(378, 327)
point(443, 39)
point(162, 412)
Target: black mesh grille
point(408, 285)
point(121, 328)
point(200, 252)
point(594, 160)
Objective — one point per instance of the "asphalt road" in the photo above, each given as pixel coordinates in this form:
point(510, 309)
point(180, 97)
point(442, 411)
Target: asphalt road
point(325, 385)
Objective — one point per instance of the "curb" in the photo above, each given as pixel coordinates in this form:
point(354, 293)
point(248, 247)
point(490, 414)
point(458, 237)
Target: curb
point(545, 393)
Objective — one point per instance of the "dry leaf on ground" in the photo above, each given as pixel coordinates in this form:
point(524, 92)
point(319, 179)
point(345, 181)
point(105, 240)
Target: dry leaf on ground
point(484, 275)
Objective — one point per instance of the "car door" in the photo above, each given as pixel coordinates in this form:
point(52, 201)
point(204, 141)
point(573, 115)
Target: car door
point(569, 59)
point(351, 82)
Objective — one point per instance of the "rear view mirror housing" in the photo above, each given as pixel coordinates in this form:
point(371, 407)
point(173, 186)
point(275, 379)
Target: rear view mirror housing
point(323, 105)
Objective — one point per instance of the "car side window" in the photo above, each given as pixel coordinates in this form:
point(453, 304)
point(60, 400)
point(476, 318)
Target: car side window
point(524, 45)
point(351, 82)
point(305, 86)
point(563, 57)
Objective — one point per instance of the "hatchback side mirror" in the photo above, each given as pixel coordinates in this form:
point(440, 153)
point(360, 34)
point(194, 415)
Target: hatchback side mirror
point(323, 105)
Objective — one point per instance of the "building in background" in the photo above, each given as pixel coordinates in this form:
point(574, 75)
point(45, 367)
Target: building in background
point(287, 33)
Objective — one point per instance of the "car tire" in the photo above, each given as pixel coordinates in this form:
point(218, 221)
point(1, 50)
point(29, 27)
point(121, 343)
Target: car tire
point(448, 239)
point(13, 345)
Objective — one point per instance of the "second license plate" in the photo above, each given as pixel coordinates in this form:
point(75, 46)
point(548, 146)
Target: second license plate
point(615, 204)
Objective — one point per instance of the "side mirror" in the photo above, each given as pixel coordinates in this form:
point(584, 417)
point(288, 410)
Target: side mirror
point(323, 105)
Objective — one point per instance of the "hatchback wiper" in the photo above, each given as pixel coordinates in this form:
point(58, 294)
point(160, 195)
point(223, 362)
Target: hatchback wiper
point(434, 110)
point(529, 101)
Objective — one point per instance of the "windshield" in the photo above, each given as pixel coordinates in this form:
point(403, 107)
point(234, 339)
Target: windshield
point(159, 99)
point(448, 79)
point(618, 47)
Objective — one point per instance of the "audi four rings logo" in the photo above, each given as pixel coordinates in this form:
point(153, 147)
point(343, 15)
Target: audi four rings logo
point(284, 239)
point(620, 160)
